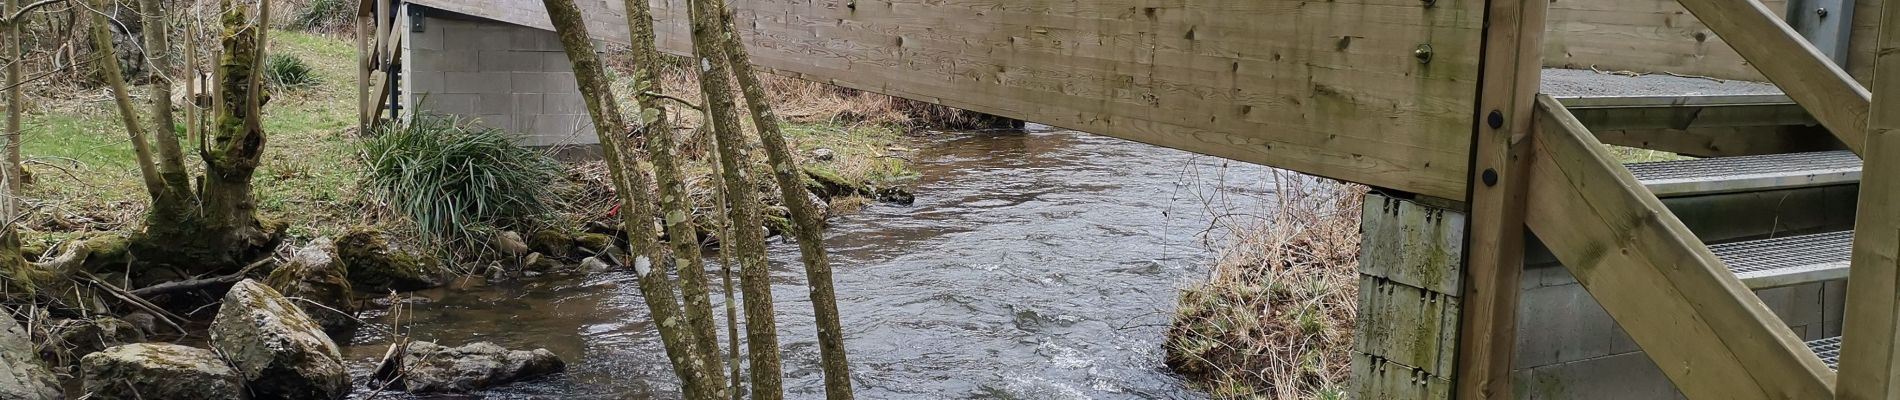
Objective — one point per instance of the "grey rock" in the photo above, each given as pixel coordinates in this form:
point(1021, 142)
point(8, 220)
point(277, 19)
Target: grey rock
point(278, 350)
point(21, 374)
point(823, 154)
point(429, 367)
point(158, 371)
point(313, 275)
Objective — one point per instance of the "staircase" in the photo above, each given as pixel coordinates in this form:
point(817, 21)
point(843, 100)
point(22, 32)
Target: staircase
point(1735, 202)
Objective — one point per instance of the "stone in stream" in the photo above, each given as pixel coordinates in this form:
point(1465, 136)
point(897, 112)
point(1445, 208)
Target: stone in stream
point(377, 261)
point(279, 352)
point(431, 368)
point(158, 371)
point(313, 275)
point(70, 339)
point(21, 374)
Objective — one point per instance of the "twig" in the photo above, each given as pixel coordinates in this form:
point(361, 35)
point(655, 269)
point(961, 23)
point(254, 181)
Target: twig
point(136, 301)
point(15, 17)
point(676, 99)
point(195, 284)
point(1717, 80)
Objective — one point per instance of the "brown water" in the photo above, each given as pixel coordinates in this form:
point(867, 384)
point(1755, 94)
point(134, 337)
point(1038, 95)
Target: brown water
point(1032, 266)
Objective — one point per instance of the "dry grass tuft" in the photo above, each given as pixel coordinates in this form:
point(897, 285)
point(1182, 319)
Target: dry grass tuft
point(1274, 319)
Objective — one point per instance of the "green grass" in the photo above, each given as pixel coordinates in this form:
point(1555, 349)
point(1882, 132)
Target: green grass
point(83, 163)
point(311, 176)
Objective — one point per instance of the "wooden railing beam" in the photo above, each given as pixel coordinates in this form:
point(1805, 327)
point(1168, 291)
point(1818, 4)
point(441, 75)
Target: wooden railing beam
point(1870, 359)
point(1807, 76)
point(1507, 94)
point(1707, 332)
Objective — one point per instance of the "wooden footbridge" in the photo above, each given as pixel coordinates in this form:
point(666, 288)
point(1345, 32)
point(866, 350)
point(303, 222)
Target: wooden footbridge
point(1480, 121)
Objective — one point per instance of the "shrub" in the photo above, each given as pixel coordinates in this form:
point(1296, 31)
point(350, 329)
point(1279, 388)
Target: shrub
point(1274, 319)
point(286, 72)
point(453, 178)
point(322, 15)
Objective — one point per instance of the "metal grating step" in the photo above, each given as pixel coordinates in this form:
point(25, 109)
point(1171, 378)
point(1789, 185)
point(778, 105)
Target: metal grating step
point(1829, 349)
point(1747, 173)
point(1582, 88)
point(1787, 261)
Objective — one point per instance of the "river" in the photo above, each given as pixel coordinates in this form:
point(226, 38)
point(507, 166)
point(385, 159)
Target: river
point(1037, 265)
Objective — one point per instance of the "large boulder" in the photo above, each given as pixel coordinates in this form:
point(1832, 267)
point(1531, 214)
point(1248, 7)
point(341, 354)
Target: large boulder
point(429, 367)
point(158, 371)
point(313, 275)
point(21, 374)
point(378, 261)
point(278, 350)
point(70, 339)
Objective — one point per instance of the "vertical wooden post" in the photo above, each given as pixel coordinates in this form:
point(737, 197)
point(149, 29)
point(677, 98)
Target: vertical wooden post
point(1869, 357)
point(1512, 60)
point(363, 63)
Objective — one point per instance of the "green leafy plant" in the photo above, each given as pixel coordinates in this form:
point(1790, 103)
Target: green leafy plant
point(286, 72)
point(453, 178)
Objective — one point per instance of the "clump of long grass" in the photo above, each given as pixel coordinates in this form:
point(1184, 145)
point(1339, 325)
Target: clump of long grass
point(321, 15)
point(286, 72)
point(454, 178)
point(1275, 317)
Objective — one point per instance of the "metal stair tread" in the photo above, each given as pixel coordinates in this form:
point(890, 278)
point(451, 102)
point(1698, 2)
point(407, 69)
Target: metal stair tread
point(1829, 350)
point(1790, 260)
point(1747, 173)
point(1583, 88)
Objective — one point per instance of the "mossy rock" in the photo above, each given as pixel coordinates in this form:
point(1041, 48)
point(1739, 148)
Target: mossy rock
point(159, 371)
point(313, 274)
point(375, 261)
point(277, 349)
point(593, 242)
point(552, 243)
point(825, 182)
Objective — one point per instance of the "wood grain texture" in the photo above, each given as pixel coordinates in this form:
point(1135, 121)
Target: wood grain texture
point(1650, 36)
point(1702, 327)
point(1324, 87)
point(1870, 360)
point(1495, 263)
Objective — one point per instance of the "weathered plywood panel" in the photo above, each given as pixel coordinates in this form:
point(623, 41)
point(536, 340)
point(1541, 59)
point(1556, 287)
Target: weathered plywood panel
point(1325, 87)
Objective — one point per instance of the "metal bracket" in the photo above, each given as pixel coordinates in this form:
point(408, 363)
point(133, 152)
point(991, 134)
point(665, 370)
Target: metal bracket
point(415, 19)
point(1825, 24)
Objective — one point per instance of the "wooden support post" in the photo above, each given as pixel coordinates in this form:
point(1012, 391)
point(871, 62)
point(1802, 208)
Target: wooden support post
point(1702, 327)
point(363, 67)
point(1808, 77)
point(1495, 260)
point(1869, 357)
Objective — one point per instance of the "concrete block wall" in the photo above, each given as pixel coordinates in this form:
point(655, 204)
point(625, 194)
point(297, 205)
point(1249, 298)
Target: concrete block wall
point(508, 76)
point(1568, 347)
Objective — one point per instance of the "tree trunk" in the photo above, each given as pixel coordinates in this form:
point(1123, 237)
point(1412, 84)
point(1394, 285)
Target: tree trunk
point(807, 224)
point(678, 205)
point(699, 376)
point(724, 222)
point(16, 104)
point(108, 63)
point(735, 162)
point(173, 203)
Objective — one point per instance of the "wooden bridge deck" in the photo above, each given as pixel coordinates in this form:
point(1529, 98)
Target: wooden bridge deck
point(1449, 99)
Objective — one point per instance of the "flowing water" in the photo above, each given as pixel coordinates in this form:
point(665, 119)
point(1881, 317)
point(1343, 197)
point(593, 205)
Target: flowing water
point(1032, 266)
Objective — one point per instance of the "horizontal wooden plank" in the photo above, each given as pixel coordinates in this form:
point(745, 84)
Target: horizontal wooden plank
point(1331, 88)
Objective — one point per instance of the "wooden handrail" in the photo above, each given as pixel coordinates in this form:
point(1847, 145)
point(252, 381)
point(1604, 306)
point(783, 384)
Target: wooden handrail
point(1810, 78)
point(1707, 332)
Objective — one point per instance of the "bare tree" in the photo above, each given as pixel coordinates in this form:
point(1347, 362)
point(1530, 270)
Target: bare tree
point(701, 377)
point(748, 230)
point(807, 223)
